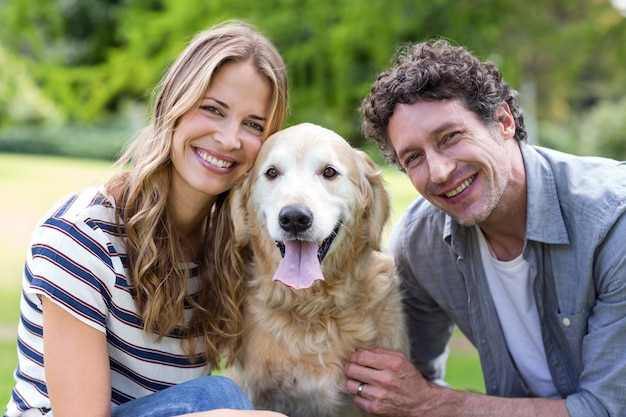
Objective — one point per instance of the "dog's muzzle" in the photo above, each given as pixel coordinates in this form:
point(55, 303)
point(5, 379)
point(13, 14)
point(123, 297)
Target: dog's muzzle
point(296, 219)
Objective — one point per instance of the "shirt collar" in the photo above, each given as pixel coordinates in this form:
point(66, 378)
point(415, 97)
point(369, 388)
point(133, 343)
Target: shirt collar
point(544, 220)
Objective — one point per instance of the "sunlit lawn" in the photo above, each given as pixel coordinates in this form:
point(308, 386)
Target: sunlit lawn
point(31, 184)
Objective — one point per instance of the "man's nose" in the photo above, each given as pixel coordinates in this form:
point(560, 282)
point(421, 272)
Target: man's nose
point(439, 166)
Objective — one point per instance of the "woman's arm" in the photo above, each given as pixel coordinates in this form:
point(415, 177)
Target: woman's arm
point(76, 365)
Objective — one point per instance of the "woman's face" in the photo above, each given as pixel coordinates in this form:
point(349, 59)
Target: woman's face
point(216, 142)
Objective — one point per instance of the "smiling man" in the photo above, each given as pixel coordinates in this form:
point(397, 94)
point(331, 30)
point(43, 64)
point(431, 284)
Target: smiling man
point(521, 247)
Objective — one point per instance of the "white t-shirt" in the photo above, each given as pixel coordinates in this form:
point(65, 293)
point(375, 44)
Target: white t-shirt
point(512, 292)
point(76, 258)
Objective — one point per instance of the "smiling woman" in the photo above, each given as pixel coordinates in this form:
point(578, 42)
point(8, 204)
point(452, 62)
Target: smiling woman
point(121, 274)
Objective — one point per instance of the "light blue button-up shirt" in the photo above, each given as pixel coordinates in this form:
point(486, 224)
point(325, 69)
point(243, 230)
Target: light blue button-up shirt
point(576, 246)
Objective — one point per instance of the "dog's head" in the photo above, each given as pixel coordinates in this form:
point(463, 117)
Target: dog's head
point(308, 195)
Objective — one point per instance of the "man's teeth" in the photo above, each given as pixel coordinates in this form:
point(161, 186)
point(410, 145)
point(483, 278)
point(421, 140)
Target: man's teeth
point(214, 161)
point(460, 188)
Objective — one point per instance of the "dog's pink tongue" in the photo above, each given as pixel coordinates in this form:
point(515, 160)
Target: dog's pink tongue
point(300, 267)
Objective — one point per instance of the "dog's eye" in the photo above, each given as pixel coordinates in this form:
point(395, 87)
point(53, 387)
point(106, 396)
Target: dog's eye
point(329, 172)
point(271, 173)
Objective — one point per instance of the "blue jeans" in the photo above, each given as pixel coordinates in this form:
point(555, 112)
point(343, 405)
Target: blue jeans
point(201, 394)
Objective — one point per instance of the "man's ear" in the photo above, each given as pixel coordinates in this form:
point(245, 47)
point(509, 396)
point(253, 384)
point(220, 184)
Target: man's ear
point(507, 121)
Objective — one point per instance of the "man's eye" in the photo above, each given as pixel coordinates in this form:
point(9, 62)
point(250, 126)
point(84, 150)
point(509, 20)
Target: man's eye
point(413, 159)
point(450, 137)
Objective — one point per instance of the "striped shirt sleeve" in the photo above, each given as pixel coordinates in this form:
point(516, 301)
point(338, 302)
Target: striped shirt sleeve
point(70, 262)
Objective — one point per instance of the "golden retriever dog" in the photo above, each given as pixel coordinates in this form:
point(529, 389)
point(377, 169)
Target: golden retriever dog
point(319, 284)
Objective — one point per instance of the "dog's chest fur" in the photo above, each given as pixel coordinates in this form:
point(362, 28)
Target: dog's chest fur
point(297, 343)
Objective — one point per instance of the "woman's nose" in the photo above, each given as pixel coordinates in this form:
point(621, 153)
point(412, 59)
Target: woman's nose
point(228, 135)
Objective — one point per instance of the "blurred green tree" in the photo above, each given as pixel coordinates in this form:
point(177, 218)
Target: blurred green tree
point(89, 58)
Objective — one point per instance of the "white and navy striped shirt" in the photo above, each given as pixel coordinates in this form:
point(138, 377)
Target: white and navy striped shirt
point(77, 259)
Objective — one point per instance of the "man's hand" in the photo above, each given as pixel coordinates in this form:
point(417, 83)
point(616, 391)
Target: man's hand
point(392, 385)
point(387, 384)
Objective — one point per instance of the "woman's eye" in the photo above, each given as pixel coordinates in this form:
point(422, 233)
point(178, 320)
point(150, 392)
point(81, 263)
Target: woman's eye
point(329, 172)
point(255, 126)
point(271, 173)
point(210, 109)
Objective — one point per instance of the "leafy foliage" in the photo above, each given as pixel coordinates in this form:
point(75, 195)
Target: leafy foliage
point(79, 61)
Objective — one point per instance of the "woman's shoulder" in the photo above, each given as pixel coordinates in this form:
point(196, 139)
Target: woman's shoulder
point(85, 215)
point(89, 203)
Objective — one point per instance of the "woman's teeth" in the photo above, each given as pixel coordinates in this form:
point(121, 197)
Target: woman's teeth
point(214, 161)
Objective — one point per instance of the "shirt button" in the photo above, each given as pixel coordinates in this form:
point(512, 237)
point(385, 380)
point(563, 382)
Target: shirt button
point(567, 322)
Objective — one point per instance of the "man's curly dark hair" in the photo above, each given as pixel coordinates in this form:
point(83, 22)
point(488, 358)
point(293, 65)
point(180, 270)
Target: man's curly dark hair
point(436, 70)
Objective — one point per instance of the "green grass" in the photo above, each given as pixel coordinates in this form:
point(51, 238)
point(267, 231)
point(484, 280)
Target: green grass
point(401, 192)
point(463, 370)
point(31, 184)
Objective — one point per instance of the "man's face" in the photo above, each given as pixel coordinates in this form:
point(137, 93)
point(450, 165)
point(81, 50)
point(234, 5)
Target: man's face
point(453, 159)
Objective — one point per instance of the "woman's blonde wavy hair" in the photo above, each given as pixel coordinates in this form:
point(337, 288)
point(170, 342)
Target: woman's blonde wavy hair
point(157, 255)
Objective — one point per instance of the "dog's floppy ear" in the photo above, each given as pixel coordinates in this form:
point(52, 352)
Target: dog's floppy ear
point(375, 197)
point(237, 205)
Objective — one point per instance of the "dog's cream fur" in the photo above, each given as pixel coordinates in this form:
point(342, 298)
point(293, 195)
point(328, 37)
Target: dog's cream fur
point(296, 342)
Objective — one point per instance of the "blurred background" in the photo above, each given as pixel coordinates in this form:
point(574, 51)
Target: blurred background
point(76, 78)
point(76, 75)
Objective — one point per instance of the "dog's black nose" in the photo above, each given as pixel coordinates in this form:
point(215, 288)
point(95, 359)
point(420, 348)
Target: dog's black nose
point(295, 218)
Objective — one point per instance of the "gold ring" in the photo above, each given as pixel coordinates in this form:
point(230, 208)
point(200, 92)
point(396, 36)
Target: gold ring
point(359, 390)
